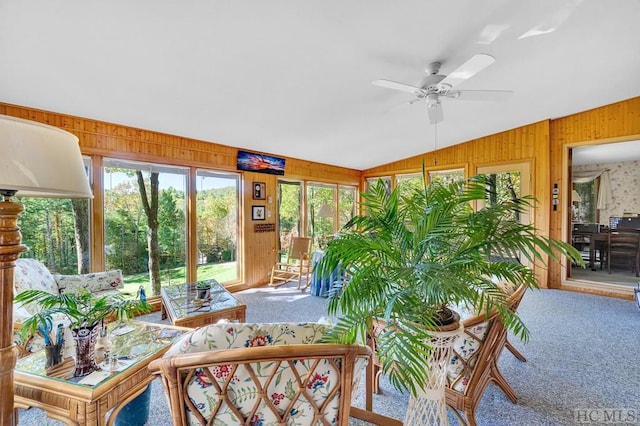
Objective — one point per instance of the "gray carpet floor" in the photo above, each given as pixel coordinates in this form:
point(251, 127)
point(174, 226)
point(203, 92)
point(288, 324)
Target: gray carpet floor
point(582, 363)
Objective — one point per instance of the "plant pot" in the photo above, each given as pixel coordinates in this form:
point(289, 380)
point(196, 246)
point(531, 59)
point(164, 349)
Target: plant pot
point(85, 339)
point(429, 407)
point(204, 294)
point(447, 319)
point(203, 290)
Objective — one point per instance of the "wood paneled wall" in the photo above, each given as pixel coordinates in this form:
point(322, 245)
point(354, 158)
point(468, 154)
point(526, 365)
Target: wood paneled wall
point(525, 144)
point(100, 139)
point(610, 123)
point(517, 144)
point(261, 251)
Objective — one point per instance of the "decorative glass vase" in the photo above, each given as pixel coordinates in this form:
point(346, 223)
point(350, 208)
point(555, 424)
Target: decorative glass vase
point(85, 339)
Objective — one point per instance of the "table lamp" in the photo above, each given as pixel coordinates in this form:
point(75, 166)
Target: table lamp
point(37, 161)
point(575, 197)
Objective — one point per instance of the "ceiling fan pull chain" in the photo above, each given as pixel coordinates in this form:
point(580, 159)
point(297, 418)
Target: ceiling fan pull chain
point(435, 144)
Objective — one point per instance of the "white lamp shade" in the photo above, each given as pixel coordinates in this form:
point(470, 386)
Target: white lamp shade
point(575, 197)
point(325, 211)
point(38, 160)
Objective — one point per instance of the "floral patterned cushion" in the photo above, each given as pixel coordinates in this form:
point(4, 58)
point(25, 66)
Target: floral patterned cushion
point(95, 282)
point(464, 347)
point(243, 391)
point(31, 274)
point(226, 335)
point(467, 344)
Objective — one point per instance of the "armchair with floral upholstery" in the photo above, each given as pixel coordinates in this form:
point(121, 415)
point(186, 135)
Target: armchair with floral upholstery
point(234, 373)
point(31, 274)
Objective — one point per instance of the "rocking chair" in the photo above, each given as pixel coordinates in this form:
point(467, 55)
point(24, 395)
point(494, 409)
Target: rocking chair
point(295, 266)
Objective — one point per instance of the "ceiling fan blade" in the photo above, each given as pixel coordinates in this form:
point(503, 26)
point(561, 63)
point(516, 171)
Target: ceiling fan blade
point(397, 86)
point(434, 111)
point(467, 70)
point(479, 95)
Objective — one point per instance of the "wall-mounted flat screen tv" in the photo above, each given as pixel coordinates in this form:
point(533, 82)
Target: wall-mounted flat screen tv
point(260, 163)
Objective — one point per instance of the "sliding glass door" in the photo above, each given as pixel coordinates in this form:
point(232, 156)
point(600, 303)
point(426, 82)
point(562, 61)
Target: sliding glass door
point(289, 214)
point(217, 225)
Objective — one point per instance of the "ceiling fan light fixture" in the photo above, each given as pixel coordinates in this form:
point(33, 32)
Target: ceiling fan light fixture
point(434, 112)
point(432, 100)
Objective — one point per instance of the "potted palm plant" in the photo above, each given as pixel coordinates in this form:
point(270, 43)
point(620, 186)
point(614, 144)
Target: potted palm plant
point(85, 313)
point(415, 258)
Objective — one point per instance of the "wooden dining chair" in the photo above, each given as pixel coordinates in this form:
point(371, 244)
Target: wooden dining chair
point(623, 248)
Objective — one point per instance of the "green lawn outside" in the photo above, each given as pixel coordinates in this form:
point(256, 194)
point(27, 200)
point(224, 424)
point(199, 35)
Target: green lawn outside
point(221, 272)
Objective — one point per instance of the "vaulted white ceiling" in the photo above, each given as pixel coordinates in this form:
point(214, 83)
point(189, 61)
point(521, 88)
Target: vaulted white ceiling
point(294, 77)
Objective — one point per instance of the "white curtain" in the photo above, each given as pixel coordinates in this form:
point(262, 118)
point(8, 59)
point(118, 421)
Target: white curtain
point(604, 193)
point(585, 176)
point(604, 197)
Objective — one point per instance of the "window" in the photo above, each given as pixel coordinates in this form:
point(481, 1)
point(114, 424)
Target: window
point(503, 187)
point(584, 208)
point(145, 223)
point(320, 212)
point(372, 180)
point(505, 182)
point(217, 225)
point(346, 204)
point(57, 232)
point(289, 214)
point(321, 200)
point(446, 176)
point(407, 183)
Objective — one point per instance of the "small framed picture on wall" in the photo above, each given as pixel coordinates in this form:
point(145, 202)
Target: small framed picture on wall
point(259, 191)
point(257, 213)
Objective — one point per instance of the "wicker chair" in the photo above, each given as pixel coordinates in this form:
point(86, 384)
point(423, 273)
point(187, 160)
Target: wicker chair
point(303, 383)
point(474, 361)
point(473, 365)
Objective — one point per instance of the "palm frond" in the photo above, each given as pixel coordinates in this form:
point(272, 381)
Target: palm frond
point(82, 308)
point(409, 255)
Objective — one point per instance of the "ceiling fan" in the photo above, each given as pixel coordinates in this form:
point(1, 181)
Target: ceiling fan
point(435, 86)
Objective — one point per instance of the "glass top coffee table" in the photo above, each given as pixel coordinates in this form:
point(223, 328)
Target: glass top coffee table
point(193, 305)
